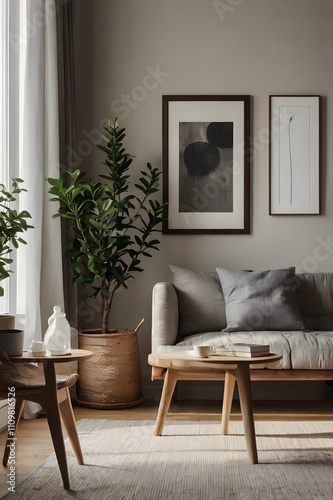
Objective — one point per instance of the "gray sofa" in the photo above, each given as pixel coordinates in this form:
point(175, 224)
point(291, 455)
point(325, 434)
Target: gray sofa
point(204, 308)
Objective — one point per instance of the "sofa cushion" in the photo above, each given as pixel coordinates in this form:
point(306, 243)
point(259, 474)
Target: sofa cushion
point(260, 300)
point(301, 350)
point(311, 350)
point(201, 303)
point(276, 340)
point(315, 300)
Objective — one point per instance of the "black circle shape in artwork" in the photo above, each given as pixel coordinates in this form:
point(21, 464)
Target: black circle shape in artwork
point(201, 158)
point(221, 134)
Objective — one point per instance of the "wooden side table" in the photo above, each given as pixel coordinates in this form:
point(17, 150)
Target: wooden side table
point(235, 368)
point(52, 399)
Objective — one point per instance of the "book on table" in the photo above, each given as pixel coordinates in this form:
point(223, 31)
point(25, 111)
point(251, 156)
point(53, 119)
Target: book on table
point(243, 350)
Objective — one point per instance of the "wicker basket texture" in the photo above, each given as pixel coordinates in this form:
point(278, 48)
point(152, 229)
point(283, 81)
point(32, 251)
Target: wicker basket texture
point(111, 378)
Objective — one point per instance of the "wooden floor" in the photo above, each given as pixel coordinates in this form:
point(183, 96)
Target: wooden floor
point(34, 444)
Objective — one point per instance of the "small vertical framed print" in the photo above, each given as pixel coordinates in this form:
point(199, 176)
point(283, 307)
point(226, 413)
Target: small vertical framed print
point(206, 154)
point(294, 169)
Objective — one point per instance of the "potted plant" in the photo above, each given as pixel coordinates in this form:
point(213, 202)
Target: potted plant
point(112, 230)
point(12, 225)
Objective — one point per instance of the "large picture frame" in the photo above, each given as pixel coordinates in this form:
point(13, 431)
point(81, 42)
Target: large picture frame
point(206, 171)
point(294, 169)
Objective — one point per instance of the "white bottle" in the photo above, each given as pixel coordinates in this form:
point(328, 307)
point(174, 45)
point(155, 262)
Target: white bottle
point(58, 335)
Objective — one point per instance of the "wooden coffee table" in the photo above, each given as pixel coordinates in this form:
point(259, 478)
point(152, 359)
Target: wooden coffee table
point(235, 368)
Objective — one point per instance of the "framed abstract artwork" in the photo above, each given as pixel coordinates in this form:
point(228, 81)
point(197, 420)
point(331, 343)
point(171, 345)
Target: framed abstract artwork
point(294, 169)
point(206, 155)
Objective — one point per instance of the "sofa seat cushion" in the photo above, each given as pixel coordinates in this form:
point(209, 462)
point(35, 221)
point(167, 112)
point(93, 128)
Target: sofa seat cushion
point(311, 350)
point(276, 340)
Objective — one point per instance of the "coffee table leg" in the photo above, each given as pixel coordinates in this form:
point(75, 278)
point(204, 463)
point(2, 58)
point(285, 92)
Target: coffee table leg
point(167, 392)
point(229, 386)
point(242, 374)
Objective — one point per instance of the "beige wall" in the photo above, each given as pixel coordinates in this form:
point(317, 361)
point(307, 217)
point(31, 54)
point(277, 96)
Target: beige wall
point(256, 47)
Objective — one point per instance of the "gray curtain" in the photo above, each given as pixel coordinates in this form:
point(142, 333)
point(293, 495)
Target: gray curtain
point(67, 130)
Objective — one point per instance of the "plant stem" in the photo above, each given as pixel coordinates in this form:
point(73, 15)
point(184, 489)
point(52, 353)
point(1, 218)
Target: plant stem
point(106, 308)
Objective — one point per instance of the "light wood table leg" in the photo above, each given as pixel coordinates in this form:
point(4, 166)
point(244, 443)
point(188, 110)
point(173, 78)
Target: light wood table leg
point(229, 386)
point(66, 411)
point(167, 392)
point(242, 374)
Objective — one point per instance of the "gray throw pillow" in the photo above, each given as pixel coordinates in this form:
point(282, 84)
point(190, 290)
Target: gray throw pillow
point(201, 304)
point(260, 300)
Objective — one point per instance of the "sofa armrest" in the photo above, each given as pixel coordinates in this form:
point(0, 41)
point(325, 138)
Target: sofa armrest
point(165, 316)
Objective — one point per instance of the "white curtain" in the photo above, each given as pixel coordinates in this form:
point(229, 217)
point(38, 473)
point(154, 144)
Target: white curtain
point(30, 45)
point(40, 159)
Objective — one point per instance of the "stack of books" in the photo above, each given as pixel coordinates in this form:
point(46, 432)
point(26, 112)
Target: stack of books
point(243, 350)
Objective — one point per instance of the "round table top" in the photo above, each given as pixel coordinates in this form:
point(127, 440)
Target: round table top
point(182, 360)
point(75, 355)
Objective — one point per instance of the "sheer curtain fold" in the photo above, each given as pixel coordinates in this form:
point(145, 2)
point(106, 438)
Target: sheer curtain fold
point(40, 159)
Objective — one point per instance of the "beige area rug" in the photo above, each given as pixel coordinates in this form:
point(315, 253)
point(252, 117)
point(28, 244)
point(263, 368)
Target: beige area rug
point(191, 461)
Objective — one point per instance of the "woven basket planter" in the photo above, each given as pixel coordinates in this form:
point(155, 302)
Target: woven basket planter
point(111, 378)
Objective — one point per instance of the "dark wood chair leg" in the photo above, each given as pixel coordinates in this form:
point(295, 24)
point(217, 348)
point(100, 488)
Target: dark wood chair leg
point(19, 405)
point(49, 402)
point(51, 409)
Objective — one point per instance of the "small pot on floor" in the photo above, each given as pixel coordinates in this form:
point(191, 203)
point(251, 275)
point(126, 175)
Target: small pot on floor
point(11, 339)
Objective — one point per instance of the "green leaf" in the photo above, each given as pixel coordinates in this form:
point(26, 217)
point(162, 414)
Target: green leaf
point(93, 237)
point(96, 224)
point(146, 254)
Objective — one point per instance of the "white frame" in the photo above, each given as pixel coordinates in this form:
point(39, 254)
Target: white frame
point(294, 155)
